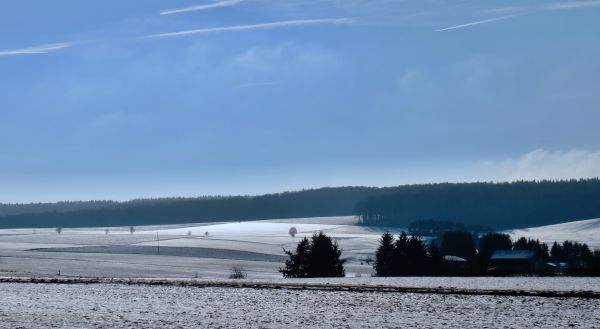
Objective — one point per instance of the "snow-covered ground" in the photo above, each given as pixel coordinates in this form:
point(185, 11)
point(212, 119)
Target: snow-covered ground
point(140, 306)
point(187, 253)
point(193, 250)
point(209, 250)
point(584, 231)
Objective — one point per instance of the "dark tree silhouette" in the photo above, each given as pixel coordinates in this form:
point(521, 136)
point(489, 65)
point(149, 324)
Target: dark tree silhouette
point(499, 205)
point(490, 242)
point(459, 243)
point(324, 260)
point(295, 267)
point(437, 228)
point(435, 258)
point(540, 249)
point(319, 257)
point(578, 256)
point(416, 256)
point(384, 256)
point(401, 257)
point(338, 201)
point(407, 255)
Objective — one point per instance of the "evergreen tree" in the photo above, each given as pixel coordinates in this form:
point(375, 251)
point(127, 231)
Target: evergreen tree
point(384, 256)
point(489, 243)
point(539, 249)
point(324, 260)
point(319, 257)
point(556, 253)
point(459, 243)
point(436, 257)
point(416, 256)
point(295, 267)
point(400, 263)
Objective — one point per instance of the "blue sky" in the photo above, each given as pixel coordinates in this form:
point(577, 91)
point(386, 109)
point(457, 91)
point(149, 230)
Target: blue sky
point(122, 99)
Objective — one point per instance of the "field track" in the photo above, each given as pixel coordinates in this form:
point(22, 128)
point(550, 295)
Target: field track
point(303, 286)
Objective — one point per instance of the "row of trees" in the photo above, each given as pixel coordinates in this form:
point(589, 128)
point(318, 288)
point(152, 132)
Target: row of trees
point(430, 227)
point(500, 205)
point(337, 201)
point(407, 255)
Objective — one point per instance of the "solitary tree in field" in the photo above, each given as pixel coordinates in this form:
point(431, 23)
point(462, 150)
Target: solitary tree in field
point(59, 230)
point(293, 231)
point(131, 230)
point(106, 231)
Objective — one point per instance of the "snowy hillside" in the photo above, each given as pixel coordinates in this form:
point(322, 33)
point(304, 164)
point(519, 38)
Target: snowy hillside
point(585, 231)
point(206, 250)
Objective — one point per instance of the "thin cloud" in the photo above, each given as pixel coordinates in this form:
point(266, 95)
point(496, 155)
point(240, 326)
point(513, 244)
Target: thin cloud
point(485, 21)
point(37, 50)
point(573, 5)
point(255, 26)
point(225, 3)
point(545, 164)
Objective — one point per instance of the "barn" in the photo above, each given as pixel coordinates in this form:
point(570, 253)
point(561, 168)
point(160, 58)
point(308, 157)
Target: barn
point(506, 262)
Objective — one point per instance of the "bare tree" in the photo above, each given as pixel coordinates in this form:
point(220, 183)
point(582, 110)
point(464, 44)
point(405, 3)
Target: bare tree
point(237, 272)
point(293, 231)
point(59, 230)
point(106, 231)
point(206, 233)
point(131, 229)
point(189, 233)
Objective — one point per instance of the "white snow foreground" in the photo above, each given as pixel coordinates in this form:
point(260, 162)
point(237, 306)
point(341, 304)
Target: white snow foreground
point(39, 305)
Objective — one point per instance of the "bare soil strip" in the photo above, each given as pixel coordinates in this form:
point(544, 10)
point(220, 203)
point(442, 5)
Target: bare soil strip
point(199, 252)
point(303, 286)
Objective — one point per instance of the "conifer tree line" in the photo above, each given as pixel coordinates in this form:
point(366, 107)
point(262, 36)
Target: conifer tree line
point(498, 205)
point(321, 202)
point(410, 256)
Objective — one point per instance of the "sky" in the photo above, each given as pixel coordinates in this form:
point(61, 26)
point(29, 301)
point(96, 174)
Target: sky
point(122, 99)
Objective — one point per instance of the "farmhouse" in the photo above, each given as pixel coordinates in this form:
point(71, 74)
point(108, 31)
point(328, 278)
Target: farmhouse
point(513, 262)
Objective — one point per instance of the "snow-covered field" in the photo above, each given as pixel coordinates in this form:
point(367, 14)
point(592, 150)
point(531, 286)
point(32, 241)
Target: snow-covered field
point(584, 231)
point(140, 306)
point(208, 250)
point(183, 251)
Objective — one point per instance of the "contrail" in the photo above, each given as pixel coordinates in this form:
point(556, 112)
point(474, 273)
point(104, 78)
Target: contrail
point(37, 50)
point(225, 3)
point(478, 22)
point(255, 26)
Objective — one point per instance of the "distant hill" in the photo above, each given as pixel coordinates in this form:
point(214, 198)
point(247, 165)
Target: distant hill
point(337, 201)
point(496, 205)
